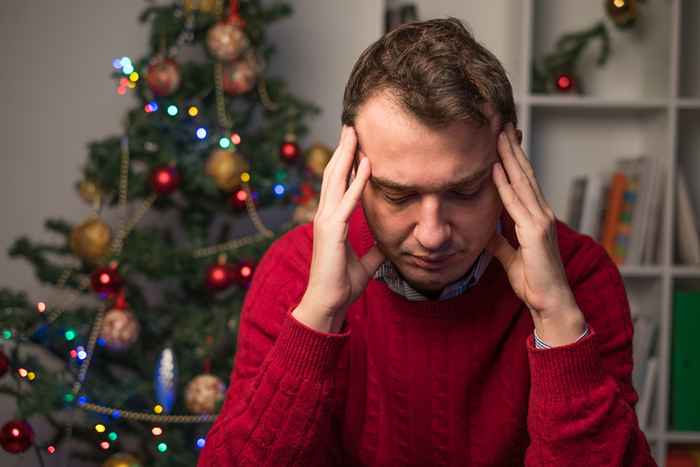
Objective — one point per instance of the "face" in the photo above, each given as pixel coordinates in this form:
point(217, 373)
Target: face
point(431, 194)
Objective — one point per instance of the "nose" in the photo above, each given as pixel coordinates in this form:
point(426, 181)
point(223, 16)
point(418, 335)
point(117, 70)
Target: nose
point(432, 230)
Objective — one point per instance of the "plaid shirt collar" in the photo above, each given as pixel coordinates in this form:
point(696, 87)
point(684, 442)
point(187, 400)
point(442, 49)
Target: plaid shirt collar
point(395, 282)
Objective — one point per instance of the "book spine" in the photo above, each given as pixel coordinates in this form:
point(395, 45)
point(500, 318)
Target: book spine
point(615, 200)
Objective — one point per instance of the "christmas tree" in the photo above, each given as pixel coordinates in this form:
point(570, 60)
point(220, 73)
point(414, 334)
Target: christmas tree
point(139, 337)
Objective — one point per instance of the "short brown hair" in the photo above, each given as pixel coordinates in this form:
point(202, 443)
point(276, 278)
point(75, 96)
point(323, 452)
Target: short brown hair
point(435, 70)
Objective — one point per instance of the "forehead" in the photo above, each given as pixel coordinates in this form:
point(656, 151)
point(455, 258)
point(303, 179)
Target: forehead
point(401, 149)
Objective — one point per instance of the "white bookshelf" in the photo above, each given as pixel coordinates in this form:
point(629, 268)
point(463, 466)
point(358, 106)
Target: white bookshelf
point(645, 100)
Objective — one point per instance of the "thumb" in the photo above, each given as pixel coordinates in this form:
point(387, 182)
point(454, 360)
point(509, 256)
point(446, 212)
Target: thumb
point(372, 260)
point(499, 247)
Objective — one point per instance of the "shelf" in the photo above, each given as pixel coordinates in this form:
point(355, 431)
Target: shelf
point(683, 436)
point(631, 271)
point(689, 103)
point(586, 102)
point(686, 271)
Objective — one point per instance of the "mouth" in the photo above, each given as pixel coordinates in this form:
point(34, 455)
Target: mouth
point(431, 264)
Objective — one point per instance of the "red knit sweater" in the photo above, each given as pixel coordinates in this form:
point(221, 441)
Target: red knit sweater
point(455, 382)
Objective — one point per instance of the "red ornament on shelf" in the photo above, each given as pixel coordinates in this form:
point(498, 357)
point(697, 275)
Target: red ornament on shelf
point(4, 363)
point(239, 198)
point(163, 77)
point(289, 150)
point(565, 82)
point(165, 179)
point(16, 436)
point(244, 273)
point(106, 280)
point(220, 276)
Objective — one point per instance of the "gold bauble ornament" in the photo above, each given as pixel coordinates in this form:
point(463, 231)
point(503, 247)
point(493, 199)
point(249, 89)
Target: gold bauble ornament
point(90, 240)
point(317, 157)
point(120, 329)
point(226, 167)
point(89, 191)
point(205, 6)
point(204, 393)
point(122, 459)
point(226, 40)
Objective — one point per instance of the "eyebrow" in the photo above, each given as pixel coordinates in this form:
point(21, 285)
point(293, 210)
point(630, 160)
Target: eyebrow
point(464, 181)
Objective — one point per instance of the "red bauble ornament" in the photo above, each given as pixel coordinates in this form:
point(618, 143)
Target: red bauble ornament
point(163, 77)
point(565, 83)
point(4, 363)
point(289, 150)
point(165, 179)
point(239, 198)
point(239, 77)
point(244, 273)
point(220, 276)
point(16, 436)
point(106, 280)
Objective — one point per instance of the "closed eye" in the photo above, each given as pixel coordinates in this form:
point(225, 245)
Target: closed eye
point(457, 194)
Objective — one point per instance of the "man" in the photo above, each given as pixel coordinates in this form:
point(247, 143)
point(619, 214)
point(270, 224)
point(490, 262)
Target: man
point(446, 319)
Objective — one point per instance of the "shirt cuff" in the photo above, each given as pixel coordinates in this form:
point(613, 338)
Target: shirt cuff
point(540, 344)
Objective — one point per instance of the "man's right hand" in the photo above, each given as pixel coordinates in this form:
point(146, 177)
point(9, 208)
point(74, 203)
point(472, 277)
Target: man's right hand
point(337, 276)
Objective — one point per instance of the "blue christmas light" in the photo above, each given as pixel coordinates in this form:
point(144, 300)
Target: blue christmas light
point(200, 442)
point(82, 400)
point(279, 189)
point(117, 63)
point(201, 133)
point(116, 414)
point(125, 61)
point(82, 354)
point(100, 341)
point(154, 106)
point(172, 110)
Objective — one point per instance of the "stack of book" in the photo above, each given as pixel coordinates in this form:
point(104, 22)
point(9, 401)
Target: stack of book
point(622, 210)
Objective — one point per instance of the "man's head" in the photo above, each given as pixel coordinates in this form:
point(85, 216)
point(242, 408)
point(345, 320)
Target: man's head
point(427, 103)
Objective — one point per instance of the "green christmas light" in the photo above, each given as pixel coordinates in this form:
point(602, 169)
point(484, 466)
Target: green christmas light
point(281, 175)
point(70, 334)
point(68, 397)
point(172, 110)
point(112, 436)
point(7, 334)
point(224, 142)
point(162, 447)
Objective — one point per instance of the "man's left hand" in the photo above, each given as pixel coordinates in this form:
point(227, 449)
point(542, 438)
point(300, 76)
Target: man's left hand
point(535, 269)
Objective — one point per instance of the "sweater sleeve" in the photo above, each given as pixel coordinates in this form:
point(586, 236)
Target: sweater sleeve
point(279, 406)
point(581, 409)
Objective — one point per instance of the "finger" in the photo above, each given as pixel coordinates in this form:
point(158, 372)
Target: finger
point(518, 180)
point(372, 260)
point(354, 192)
point(325, 183)
point(525, 164)
point(503, 251)
point(338, 182)
point(510, 199)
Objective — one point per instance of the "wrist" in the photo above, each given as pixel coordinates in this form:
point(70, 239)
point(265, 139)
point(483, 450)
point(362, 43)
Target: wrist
point(561, 329)
point(317, 319)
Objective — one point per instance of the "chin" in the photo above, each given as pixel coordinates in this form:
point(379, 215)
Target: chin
point(430, 281)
